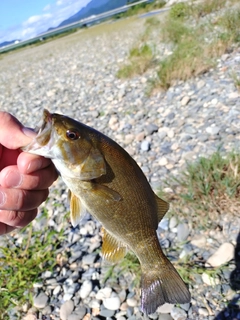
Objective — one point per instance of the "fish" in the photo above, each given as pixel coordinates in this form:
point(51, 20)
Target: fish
point(104, 180)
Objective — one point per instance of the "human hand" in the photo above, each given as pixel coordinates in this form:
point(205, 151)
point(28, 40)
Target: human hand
point(24, 178)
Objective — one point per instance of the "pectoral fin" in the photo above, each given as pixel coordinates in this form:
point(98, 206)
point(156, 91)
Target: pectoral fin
point(112, 249)
point(105, 192)
point(162, 206)
point(77, 209)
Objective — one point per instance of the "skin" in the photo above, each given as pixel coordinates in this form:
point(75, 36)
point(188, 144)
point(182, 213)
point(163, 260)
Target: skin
point(24, 178)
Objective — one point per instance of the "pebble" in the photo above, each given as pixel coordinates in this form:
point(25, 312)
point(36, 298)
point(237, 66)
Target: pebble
point(104, 293)
point(185, 100)
point(112, 303)
point(182, 231)
point(145, 145)
point(40, 301)
point(165, 308)
point(210, 281)
point(178, 314)
point(66, 309)
point(224, 254)
point(85, 289)
point(213, 130)
point(199, 241)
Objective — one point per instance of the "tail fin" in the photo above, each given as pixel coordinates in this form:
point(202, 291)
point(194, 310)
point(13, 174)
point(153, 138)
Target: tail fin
point(160, 286)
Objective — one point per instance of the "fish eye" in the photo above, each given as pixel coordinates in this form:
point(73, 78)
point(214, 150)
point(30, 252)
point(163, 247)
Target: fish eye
point(72, 134)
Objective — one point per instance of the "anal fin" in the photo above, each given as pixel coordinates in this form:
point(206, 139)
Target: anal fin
point(112, 249)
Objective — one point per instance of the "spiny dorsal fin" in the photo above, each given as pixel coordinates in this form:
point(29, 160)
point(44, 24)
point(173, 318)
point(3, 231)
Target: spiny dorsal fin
point(112, 249)
point(77, 209)
point(162, 206)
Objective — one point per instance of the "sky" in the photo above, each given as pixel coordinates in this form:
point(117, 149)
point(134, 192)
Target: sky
point(24, 19)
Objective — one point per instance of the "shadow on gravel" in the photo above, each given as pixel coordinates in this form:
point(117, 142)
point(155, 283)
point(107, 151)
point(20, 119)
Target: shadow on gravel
point(232, 311)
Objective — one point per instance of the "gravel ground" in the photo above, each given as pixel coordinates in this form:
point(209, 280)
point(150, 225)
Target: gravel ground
point(76, 75)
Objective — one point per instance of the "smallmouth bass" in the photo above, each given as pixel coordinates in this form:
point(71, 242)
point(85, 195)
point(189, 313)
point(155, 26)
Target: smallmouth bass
point(104, 180)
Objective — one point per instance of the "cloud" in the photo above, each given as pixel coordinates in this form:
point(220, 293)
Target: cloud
point(34, 25)
point(47, 7)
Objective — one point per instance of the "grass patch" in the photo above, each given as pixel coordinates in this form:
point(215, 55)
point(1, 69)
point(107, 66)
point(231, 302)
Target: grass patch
point(22, 262)
point(140, 59)
point(209, 188)
point(236, 80)
point(194, 47)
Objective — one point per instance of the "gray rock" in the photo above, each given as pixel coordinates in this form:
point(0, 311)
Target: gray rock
point(80, 311)
point(150, 128)
point(40, 301)
point(182, 232)
point(66, 309)
point(106, 313)
point(178, 314)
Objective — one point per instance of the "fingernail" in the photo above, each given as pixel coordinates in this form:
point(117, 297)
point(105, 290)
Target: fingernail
point(34, 165)
point(13, 179)
point(29, 132)
point(2, 198)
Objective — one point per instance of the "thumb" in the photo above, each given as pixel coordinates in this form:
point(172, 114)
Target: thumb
point(13, 134)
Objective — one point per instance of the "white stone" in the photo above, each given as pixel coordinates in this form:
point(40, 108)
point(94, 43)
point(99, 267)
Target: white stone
point(224, 254)
point(170, 133)
point(163, 162)
point(185, 100)
point(199, 241)
point(213, 130)
point(112, 303)
point(132, 302)
point(104, 293)
point(85, 289)
point(233, 95)
point(165, 308)
point(210, 281)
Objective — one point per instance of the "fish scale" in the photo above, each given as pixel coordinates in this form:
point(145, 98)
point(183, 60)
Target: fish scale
point(107, 182)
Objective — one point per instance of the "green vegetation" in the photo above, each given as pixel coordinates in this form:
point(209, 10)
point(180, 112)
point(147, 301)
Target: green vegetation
point(22, 262)
point(194, 43)
point(209, 188)
point(236, 80)
point(140, 59)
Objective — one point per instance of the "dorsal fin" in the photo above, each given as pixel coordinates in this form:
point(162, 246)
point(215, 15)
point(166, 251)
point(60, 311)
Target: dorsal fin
point(112, 249)
point(162, 206)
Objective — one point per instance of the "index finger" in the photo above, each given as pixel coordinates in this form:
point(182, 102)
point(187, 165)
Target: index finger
point(13, 134)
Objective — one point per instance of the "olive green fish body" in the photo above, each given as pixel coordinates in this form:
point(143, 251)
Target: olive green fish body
point(105, 181)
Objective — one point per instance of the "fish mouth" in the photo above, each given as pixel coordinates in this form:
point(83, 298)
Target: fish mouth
point(43, 137)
